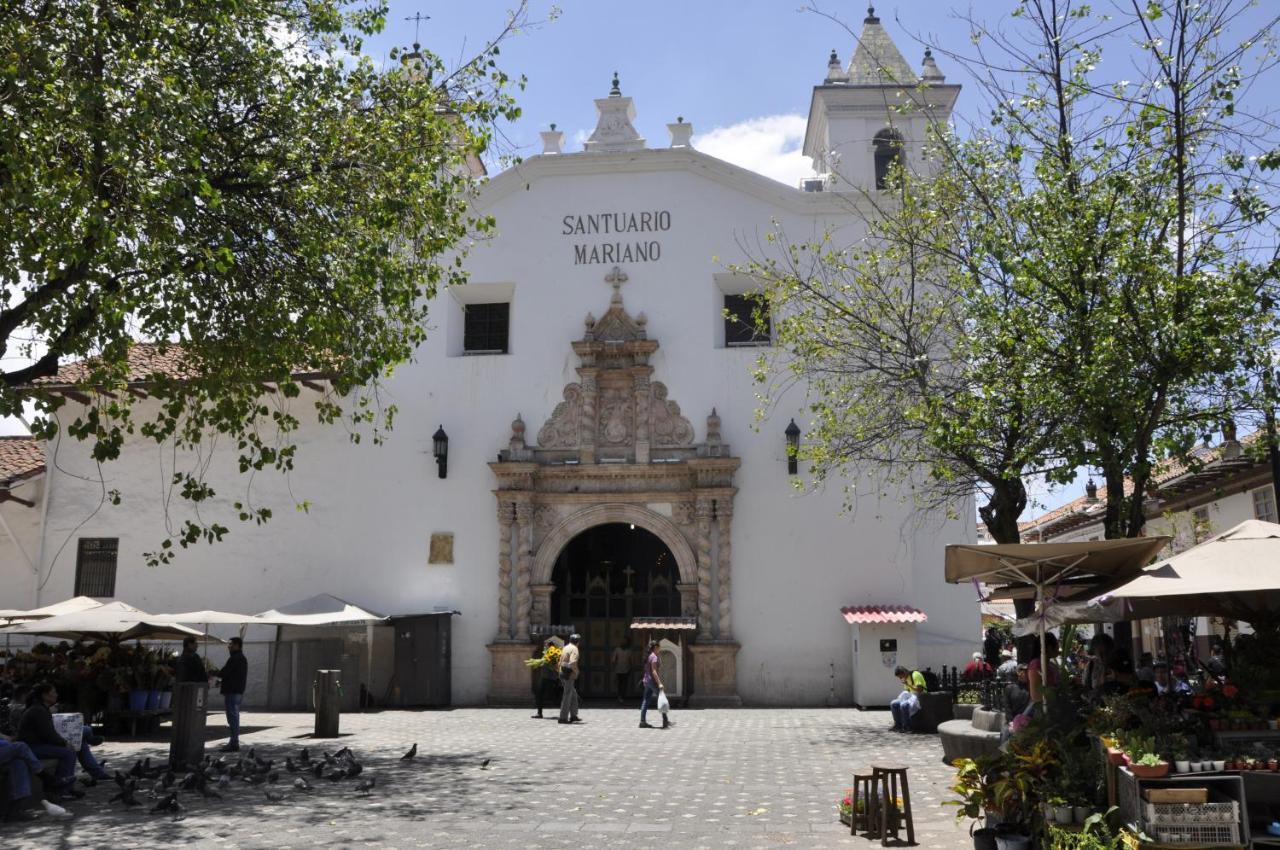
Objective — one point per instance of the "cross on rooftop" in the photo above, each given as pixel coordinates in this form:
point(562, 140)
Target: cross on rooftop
point(616, 277)
point(417, 19)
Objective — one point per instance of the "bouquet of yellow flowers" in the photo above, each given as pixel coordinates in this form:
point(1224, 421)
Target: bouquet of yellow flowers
point(550, 656)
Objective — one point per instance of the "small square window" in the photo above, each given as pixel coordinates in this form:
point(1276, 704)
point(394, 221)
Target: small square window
point(1264, 504)
point(485, 328)
point(96, 566)
point(740, 321)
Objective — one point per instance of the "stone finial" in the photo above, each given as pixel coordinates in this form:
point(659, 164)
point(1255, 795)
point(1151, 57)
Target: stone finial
point(1231, 448)
point(871, 16)
point(614, 130)
point(517, 430)
point(929, 69)
point(713, 428)
point(519, 449)
point(615, 278)
point(552, 141)
point(835, 71)
point(681, 133)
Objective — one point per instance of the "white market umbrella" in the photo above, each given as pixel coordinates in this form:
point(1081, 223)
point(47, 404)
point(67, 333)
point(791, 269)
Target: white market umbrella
point(113, 621)
point(67, 606)
point(319, 610)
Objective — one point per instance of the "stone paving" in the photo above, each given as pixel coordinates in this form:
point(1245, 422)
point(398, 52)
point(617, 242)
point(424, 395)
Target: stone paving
point(747, 778)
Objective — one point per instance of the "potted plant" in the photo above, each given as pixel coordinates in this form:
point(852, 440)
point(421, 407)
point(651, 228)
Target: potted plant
point(1149, 766)
point(1061, 809)
point(976, 798)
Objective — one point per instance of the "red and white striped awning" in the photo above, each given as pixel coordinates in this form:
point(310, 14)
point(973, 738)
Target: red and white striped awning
point(883, 614)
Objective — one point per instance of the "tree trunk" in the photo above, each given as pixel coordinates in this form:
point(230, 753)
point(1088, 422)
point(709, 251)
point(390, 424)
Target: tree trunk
point(1000, 515)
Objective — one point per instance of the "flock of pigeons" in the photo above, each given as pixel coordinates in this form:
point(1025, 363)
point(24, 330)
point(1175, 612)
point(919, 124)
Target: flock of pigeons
point(215, 775)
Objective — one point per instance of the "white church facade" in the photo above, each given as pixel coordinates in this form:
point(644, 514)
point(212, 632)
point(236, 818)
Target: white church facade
point(605, 465)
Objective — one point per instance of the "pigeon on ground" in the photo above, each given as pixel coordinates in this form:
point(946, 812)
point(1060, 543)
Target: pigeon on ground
point(409, 756)
point(345, 752)
point(158, 789)
point(318, 770)
point(168, 778)
point(120, 779)
point(336, 776)
point(255, 779)
point(136, 770)
point(302, 784)
point(304, 757)
point(125, 796)
point(273, 795)
point(289, 765)
point(354, 769)
point(484, 765)
point(88, 781)
point(364, 786)
point(167, 804)
point(224, 781)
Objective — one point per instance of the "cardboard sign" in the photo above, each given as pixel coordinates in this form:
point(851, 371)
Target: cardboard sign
point(71, 728)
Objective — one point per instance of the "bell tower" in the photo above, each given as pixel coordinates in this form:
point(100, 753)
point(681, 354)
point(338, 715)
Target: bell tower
point(876, 111)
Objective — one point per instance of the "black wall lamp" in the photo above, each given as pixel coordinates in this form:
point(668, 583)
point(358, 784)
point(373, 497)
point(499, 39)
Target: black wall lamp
point(793, 447)
point(440, 446)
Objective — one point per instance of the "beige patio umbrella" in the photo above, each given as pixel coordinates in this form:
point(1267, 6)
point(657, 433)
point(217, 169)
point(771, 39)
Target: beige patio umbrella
point(1066, 569)
point(1235, 574)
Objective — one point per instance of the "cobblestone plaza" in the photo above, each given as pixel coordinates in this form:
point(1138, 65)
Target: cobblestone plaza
point(721, 778)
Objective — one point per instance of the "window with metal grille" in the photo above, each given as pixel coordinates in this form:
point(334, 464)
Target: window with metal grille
point(96, 566)
point(740, 321)
point(1264, 504)
point(485, 328)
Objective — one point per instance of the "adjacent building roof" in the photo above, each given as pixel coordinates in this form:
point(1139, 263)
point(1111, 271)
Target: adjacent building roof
point(145, 360)
point(20, 458)
point(883, 614)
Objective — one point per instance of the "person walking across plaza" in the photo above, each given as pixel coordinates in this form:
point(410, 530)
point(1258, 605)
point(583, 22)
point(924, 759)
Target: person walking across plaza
point(908, 702)
point(546, 680)
point(653, 686)
point(620, 661)
point(569, 670)
point(234, 675)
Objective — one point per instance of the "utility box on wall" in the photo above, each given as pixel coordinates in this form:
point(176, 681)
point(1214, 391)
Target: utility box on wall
point(883, 638)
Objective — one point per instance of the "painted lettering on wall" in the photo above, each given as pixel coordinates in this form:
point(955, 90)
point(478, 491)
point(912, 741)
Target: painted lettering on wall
point(613, 251)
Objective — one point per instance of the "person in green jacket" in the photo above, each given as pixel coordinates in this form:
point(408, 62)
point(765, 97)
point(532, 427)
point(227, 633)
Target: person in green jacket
point(908, 702)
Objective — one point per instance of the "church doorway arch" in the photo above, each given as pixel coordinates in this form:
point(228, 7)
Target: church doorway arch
point(605, 577)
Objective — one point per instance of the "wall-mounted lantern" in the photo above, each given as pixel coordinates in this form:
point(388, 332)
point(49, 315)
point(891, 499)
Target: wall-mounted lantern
point(440, 447)
point(793, 447)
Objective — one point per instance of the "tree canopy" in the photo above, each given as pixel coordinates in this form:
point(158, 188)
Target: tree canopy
point(1081, 280)
point(237, 184)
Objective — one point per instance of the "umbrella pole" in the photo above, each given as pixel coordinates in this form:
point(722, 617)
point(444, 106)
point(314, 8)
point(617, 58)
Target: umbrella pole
point(1044, 660)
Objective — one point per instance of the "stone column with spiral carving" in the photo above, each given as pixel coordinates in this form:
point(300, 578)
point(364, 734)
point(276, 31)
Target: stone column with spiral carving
point(644, 403)
point(724, 568)
point(587, 426)
point(505, 517)
point(704, 509)
point(524, 568)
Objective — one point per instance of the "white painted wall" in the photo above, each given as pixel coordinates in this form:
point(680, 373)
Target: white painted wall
point(797, 557)
point(20, 550)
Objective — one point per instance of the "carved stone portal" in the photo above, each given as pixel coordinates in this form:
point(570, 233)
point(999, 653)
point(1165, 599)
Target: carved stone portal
point(615, 449)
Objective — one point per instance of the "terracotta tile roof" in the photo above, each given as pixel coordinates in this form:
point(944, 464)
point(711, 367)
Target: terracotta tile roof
point(20, 458)
point(145, 361)
point(883, 614)
point(1165, 472)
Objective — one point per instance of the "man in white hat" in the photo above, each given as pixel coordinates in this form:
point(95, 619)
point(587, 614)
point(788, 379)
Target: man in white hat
point(569, 669)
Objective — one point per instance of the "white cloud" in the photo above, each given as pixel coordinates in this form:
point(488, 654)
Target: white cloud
point(769, 146)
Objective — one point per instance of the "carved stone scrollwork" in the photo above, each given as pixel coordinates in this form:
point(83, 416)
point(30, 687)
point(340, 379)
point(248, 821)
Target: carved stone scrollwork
point(724, 568)
point(544, 519)
point(682, 513)
point(616, 417)
point(505, 519)
point(561, 430)
point(704, 566)
point(667, 426)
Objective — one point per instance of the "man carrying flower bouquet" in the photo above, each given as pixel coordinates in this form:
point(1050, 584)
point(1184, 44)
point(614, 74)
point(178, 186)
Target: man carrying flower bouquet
point(547, 675)
point(569, 680)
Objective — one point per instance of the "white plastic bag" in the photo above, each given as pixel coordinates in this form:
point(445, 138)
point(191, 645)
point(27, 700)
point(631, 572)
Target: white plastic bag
point(71, 728)
point(664, 705)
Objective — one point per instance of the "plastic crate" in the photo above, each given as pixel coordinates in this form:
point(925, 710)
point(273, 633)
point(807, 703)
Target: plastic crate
point(1196, 834)
point(1181, 814)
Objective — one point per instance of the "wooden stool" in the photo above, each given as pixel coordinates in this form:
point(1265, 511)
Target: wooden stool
point(884, 786)
point(864, 790)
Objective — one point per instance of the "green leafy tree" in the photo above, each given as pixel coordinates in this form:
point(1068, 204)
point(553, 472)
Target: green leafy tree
point(1080, 282)
point(236, 184)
